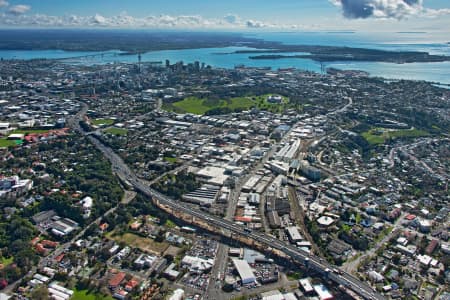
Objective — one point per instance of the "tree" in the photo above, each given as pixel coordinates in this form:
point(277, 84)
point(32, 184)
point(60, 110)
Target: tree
point(422, 245)
point(396, 259)
point(40, 293)
point(126, 264)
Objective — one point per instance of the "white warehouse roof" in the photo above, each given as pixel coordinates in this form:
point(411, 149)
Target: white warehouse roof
point(244, 270)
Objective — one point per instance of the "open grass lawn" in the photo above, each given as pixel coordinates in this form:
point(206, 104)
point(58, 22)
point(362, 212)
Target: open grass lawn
point(200, 106)
point(85, 295)
point(103, 122)
point(194, 105)
point(373, 139)
point(117, 131)
point(241, 102)
point(144, 244)
point(7, 143)
point(377, 136)
point(6, 261)
point(170, 159)
point(31, 131)
point(170, 224)
point(408, 133)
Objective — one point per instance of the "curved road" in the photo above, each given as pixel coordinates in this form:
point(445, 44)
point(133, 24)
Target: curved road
point(311, 261)
point(315, 263)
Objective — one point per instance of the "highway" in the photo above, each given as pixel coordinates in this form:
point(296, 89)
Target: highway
point(297, 255)
point(310, 261)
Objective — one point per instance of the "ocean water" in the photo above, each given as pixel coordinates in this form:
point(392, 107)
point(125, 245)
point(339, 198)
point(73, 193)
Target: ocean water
point(223, 57)
point(37, 54)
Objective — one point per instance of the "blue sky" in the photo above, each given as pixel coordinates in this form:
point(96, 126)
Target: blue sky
point(295, 14)
point(211, 8)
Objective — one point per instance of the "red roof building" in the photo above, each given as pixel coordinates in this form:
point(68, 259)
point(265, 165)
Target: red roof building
point(59, 258)
point(243, 219)
point(116, 280)
point(131, 284)
point(410, 217)
point(49, 244)
point(104, 226)
point(35, 240)
point(41, 249)
point(431, 247)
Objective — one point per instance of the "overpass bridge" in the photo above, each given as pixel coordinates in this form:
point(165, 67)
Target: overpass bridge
point(201, 218)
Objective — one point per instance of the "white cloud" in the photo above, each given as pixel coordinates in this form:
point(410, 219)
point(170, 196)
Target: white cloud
point(430, 18)
point(436, 12)
point(19, 9)
point(127, 21)
point(255, 24)
point(386, 9)
point(99, 19)
point(3, 3)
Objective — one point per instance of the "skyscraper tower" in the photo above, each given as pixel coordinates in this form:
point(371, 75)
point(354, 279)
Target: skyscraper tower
point(140, 61)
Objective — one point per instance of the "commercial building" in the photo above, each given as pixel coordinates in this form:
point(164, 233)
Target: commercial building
point(322, 292)
point(205, 195)
point(293, 234)
point(197, 264)
point(306, 285)
point(278, 167)
point(310, 172)
point(245, 271)
point(277, 99)
point(58, 292)
point(251, 183)
point(325, 221)
point(272, 295)
point(425, 225)
point(13, 187)
point(16, 136)
point(144, 261)
point(274, 219)
point(289, 151)
point(375, 276)
point(171, 273)
point(63, 227)
point(254, 199)
point(213, 175)
point(177, 295)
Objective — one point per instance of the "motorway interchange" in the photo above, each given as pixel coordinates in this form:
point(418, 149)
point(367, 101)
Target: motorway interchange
point(297, 255)
point(308, 260)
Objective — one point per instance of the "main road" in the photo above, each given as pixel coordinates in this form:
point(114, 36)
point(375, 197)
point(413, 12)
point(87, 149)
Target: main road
point(310, 261)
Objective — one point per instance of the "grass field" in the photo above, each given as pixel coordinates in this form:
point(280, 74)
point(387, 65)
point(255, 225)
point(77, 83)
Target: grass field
point(6, 261)
point(103, 122)
point(195, 105)
point(117, 131)
point(85, 295)
point(31, 131)
point(7, 143)
point(200, 106)
point(170, 224)
point(145, 244)
point(377, 136)
point(170, 159)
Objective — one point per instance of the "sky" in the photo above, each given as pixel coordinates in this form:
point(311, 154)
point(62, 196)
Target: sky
point(359, 15)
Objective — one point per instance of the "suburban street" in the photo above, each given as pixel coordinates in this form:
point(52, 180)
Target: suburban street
point(297, 255)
